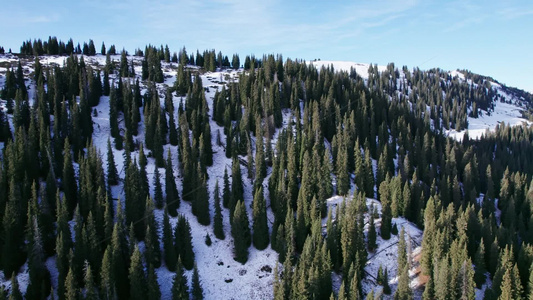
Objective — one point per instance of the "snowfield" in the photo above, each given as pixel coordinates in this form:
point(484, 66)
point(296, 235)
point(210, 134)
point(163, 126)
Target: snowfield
point(507, 113)
point(360, 68)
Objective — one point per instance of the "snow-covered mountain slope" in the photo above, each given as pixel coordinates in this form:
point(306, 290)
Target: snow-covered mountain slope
point(508, 113)
point(221, 276)
point(508, 103)
point(360, 68)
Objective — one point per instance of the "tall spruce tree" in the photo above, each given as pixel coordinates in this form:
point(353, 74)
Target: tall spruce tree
point(158, 190)
point(260, 225)
point(386, 213)
point(180, 290)
point(240, 229)
point(237, 189)
point(171, 191)
point(169, 250)
point(137, 277)
point(197, 291)
point(112, 174)
point(183, 242)
point(218, 225)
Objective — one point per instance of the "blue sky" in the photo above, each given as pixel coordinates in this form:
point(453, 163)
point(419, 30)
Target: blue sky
point(493, 38)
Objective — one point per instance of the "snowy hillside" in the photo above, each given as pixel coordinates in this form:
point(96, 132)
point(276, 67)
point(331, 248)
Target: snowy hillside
point(508, 107)
point(360, 68)
point(221, 276)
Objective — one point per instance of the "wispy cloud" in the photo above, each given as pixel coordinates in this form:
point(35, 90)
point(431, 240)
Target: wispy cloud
point(515, 12)
point(272, 26)
point(26, 18)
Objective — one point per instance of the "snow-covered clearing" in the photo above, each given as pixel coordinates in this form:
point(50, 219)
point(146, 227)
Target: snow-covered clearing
point(507, 113)
point(360, 68)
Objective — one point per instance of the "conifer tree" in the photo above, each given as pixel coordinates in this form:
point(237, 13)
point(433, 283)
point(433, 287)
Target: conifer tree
point(39, 285)
point(197, 291)
point(218, 226)
point(63, 244)
point(119, 259)
point(90, 288)
point(158, 190)
point(372, 232)
point(153, 286)
point(386, 287)
point(171, 191)
point(15, 293)
point(144, 186)
point(466, 277)
point(180, 290)
point(240, 229)
point(530, 283)
point(183, 242)
point(237, 190)
point(343, 178)
point(12, 251)
point(386, 213)
point(260, 225)
point(325, 187)
point(226, 192)
point(107, 282)
point(479, 260)
point(403, 291)
point(200, 205)
point(70, 188)
point(509, 288)
point(342, 292)
point(137, 277)
point(112, 174)
point(170, 254)
point(71, 286)
point(153, 249)
point(430, 215)
point(369, 175)
point(260, 168)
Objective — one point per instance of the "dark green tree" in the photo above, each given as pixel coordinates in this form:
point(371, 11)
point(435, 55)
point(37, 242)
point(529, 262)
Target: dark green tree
point(386, 213)
point(218, 226)
point(260, 224)
point(112, 173)
point(343, 177)
point(171, 191)
point(15, 293)
point(70, 187)
point(226, 191)
point(183, 242)
point(240, 230)
point(180, 290)
point(372, 232)
point(153, 286)
point(72, 291)
point(137, 277)
point(170, 254)
point(152, 247)
point(197, 291)
point(200, 205)
point(237, 189)
point(158, 190)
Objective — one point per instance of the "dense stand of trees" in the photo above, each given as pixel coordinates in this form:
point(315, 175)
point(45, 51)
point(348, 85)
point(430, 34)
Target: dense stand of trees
point(383, 135)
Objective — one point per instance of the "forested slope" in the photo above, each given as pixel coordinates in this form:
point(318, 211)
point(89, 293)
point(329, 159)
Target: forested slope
point(166, 175)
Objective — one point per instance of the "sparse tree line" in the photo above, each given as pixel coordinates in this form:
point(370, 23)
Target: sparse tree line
point(385, 135)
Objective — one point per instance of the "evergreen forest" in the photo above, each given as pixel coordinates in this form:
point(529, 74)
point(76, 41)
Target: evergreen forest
point(116, 167)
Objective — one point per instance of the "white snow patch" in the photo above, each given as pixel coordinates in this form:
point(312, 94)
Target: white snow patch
point(360, 68)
